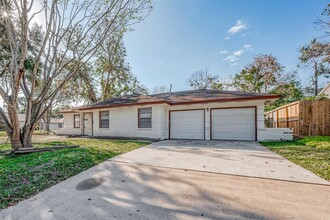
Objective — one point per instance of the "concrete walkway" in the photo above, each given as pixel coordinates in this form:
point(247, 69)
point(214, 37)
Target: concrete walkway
point(123, 189)
point(225, 157)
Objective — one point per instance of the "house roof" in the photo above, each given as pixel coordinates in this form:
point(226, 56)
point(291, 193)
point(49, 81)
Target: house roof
point(69, 110)
point(326, 90)
point(177, 98)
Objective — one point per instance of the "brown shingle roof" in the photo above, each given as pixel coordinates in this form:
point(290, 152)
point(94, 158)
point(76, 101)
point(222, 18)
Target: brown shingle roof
point(177, 98)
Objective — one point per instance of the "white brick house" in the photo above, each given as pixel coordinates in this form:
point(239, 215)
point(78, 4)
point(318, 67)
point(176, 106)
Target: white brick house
point(195, 114)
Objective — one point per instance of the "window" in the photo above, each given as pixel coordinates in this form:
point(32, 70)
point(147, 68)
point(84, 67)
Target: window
point(76, 121)
point(60, 125)
point(104, 119)
point(144, 118)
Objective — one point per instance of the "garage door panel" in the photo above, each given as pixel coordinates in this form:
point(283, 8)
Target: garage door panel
point(233, 124)
point(231, 112)
point(187, 124)
point(232, 121)
point(238, 131)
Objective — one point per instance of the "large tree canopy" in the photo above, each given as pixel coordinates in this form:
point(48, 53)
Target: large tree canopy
point(290, 90)
point(37, 61)
point(108, 76)
point(261, 75)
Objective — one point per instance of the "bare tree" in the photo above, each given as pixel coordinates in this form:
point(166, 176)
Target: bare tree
point(160, 89)
point(202, 79)
point(71, 36)
point(322, 23)
point(317, 56)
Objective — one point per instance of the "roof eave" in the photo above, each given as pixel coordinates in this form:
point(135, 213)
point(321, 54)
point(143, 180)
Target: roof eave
point(273, 97)
point(64, 112)
point(270, 97)
point(122, 105)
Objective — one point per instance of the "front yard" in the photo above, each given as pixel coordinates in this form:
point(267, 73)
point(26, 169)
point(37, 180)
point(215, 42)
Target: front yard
point(25, 175)
point(312, 153)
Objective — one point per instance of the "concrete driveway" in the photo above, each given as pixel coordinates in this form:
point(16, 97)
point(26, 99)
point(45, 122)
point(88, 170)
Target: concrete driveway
point(226, 157)
point(145, 184)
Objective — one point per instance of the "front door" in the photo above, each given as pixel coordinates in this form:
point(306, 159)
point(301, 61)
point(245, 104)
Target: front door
point(87, 128)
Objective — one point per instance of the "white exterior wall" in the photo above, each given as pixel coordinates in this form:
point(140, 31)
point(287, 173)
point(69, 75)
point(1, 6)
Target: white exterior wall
point(275, 134)
point(68, 128)
point(124, 122)
point(258, 103)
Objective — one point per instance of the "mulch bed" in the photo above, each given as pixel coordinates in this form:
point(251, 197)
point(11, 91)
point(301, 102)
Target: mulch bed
point(33, 150)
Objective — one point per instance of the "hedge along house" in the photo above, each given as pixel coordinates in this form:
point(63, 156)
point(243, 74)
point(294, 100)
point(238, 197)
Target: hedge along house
point(196, 114)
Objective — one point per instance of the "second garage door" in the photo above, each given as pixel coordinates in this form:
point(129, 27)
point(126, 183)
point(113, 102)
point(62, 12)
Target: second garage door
point(187, 124)
point(233, 124)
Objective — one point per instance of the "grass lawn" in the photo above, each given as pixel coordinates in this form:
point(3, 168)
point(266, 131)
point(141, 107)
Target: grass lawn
point(25, 175)
point(312, 153)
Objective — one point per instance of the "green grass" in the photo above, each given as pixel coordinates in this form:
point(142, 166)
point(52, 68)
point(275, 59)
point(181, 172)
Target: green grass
point(312, 153)
point(3, 134)
point(26, 175)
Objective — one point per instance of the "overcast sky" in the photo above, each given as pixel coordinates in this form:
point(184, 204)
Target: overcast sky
point(180, 37)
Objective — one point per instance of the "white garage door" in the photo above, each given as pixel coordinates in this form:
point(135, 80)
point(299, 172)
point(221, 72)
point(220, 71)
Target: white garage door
point(188, 124)
point(233, 124)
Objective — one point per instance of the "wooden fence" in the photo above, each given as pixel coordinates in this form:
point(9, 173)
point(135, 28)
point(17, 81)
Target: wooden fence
point(306, 118)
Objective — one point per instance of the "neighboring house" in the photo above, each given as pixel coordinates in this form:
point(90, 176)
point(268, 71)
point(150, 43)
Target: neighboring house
point(21, 119)
point(54, 125)
point(325, 91)
point(2, 104)
point(195, 114)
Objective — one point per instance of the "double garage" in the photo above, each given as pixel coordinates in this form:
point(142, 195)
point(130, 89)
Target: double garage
point(236, 123)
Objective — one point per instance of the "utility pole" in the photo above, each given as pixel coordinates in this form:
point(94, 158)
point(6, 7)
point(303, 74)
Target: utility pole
point(315, 79)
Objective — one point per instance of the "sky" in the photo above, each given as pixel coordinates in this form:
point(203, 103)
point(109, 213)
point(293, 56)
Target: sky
point(181, 37)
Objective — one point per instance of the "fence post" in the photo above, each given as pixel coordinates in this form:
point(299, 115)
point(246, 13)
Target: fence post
point(277, 118)
point(287, 116)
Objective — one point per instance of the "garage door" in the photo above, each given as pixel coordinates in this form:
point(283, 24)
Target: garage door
point(187, 124)
point(233, 124)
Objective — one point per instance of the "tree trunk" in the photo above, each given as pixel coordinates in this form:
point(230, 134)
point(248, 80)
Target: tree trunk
point(47, 127)
point(48, 120)
point(14, 133)
point(315, 79)
point(27, 138)
point(20, 138)
point(15, 140)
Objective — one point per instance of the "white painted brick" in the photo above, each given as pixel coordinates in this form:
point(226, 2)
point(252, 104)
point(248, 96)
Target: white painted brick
point(275, 134)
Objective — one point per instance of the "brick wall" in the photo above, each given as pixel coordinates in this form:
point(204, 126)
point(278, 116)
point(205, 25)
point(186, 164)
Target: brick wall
point(275, 134)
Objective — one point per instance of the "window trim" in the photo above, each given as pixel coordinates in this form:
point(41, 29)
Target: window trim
point(139, 124)
point(100, 112)
point(60, 125)
point(74, 120)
